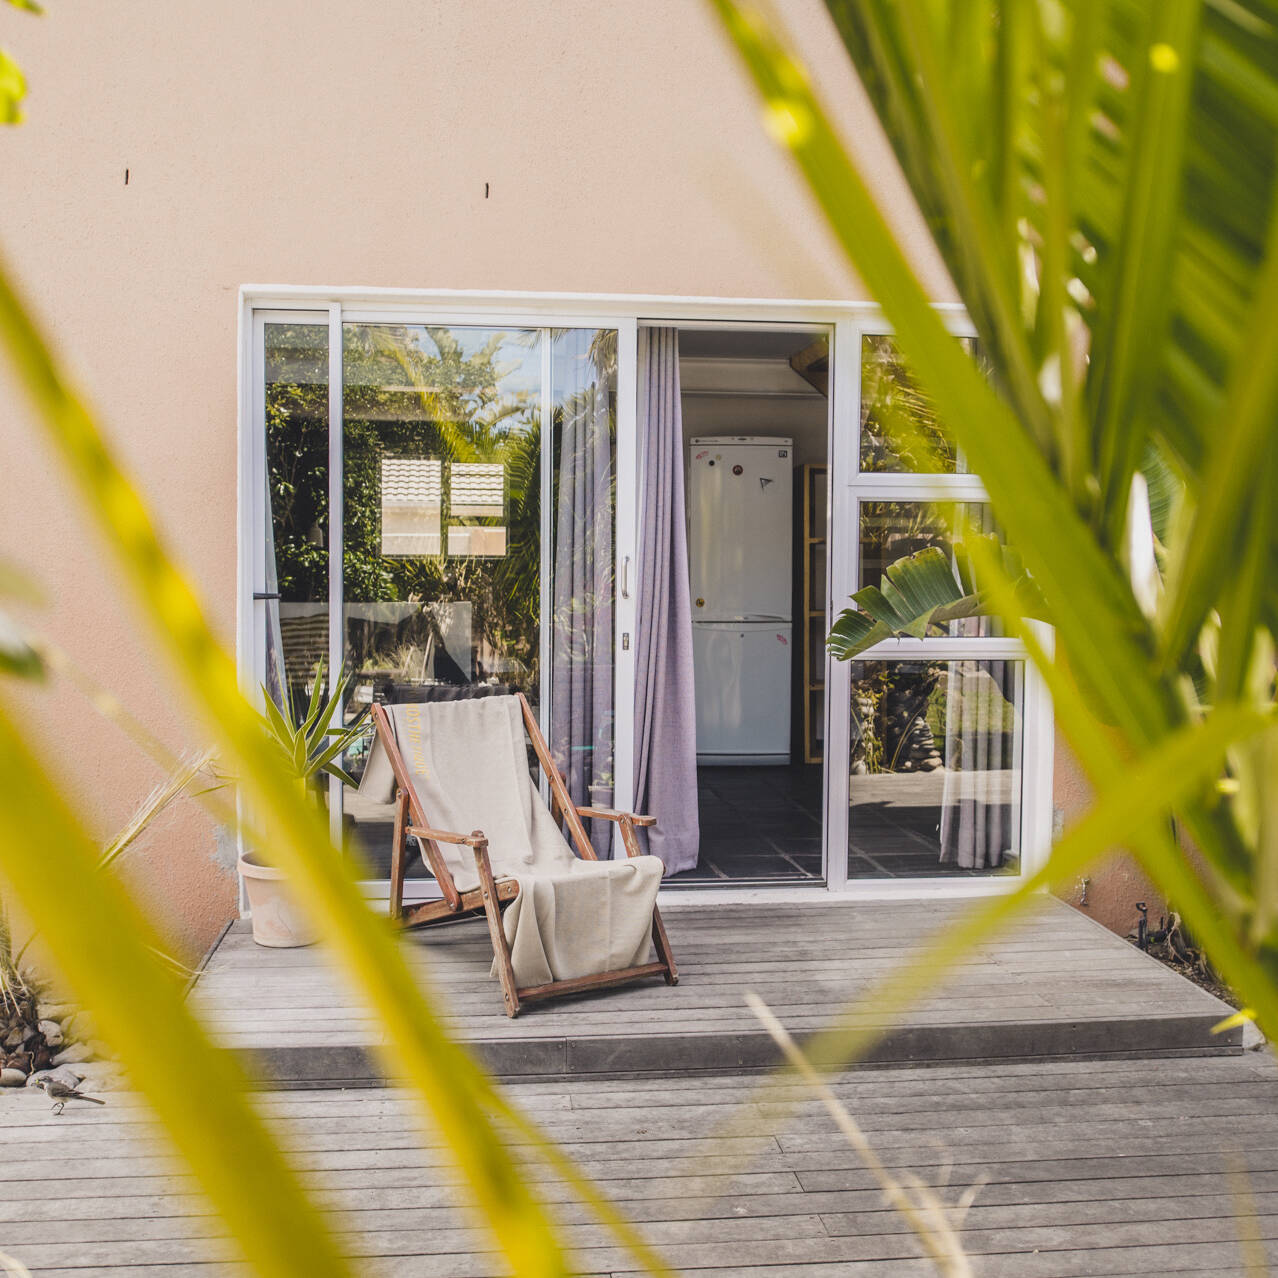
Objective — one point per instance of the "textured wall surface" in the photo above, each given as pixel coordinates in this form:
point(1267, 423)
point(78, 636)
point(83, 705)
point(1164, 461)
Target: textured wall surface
point(1115, 885)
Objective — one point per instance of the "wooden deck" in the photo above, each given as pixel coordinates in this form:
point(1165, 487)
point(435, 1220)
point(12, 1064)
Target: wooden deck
point(1114, 1168)
point(1059, 986)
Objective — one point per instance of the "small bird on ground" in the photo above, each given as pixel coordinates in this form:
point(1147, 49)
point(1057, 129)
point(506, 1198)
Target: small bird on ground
point(59, 1093)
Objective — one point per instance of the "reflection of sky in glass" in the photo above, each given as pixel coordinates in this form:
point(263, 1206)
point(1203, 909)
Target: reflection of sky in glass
point(516, 360)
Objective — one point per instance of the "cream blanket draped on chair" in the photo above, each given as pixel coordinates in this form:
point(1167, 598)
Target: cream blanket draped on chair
point(468, 762)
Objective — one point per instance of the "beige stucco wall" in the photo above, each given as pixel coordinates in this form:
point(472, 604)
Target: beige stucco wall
point(1110, 889)
point(318, 142)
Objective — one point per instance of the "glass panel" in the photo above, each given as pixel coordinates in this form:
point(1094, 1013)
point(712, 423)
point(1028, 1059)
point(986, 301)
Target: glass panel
point(296, 395)
point(935, 770)
point(442, 534)
point(891, 530)
point(899, 428)
point(584, 399)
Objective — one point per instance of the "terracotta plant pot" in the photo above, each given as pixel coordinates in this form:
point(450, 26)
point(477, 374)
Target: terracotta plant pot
point(277, 920)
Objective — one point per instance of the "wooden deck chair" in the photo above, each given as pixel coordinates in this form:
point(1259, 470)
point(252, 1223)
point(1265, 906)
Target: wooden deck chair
point(492, 894)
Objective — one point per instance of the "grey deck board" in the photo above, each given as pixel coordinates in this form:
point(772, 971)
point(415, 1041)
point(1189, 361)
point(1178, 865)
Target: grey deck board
point(1136, 1184)
point(1056, 986)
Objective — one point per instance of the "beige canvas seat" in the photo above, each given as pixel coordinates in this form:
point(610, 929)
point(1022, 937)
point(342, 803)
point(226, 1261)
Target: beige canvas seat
point(559, 923)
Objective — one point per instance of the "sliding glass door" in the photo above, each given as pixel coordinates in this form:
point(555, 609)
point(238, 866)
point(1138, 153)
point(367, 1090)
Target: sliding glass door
point(450, 532)
point(446, 504)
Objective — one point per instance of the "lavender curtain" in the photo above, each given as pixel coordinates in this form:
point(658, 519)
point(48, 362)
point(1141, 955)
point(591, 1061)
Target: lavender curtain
point(665, 720)
point(980, 805)
point(581, 638)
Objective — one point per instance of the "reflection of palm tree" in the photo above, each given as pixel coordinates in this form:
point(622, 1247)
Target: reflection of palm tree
point(418, 392)
point(900, 428)
point(429, 393)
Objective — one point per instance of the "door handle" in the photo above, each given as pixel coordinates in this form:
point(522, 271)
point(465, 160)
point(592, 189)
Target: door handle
point(625, 577)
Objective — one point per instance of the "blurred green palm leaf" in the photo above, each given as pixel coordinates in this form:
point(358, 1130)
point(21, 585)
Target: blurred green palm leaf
point(107, 951)
point(1099, 179)
point(276, 1228)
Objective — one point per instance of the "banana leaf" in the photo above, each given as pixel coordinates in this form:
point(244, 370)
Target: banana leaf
point(922, 590)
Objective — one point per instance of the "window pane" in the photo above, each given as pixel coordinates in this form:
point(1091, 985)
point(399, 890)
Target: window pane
point(935, 769)
point(891, 530)
point(296, 394)
point(899, 428)
point(442, 526)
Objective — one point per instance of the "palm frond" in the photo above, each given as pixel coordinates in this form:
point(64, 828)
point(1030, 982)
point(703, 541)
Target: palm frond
point(1099, 179)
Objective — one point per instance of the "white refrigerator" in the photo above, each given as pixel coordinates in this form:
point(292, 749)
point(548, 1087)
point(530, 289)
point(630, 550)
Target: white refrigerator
point(740, 498)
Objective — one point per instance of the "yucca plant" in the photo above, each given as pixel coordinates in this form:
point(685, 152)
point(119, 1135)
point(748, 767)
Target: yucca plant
point(1099, 178)
point(310, 746)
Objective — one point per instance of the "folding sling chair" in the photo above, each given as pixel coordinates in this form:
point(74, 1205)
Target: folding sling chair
point(493, 894)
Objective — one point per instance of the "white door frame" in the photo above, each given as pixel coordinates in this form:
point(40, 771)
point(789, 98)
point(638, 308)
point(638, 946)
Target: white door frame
point(848, 321)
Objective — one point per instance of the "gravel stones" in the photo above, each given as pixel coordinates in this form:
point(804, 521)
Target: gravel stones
point(73, 1055)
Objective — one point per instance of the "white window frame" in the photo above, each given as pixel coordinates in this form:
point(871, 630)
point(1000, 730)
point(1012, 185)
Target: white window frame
point(855, 488)
point(847, 322)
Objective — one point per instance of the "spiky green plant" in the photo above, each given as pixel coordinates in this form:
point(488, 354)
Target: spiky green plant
point(309, 744)
point(1099, 179)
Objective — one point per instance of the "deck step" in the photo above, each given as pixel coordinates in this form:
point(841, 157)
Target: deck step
point(1059, 987)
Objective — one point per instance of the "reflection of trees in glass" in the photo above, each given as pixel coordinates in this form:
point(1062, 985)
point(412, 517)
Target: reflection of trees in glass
point(297, 457)
point(900, 713)
point(413, 392)
point(892, 530)
point(422, 392)
point(898, 717)
point(899, 426)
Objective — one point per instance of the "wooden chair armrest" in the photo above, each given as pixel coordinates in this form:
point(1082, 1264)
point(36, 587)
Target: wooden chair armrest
point(472, 840)
point(611, 814)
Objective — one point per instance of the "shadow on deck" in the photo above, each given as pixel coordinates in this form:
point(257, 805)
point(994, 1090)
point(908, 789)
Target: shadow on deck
point(1057, 987)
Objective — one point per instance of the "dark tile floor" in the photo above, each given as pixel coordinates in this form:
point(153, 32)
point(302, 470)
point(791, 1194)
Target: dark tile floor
point(759, 824)
point(763, 825)
point(894, 826)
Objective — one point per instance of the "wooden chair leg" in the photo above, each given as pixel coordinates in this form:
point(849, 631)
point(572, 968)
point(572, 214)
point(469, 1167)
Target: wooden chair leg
point(662, 943)
point(659, 937)
point(492, 911)
point(399, 855)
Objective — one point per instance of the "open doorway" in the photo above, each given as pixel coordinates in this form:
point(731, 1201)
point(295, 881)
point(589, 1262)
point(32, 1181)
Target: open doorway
point(755, 413)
